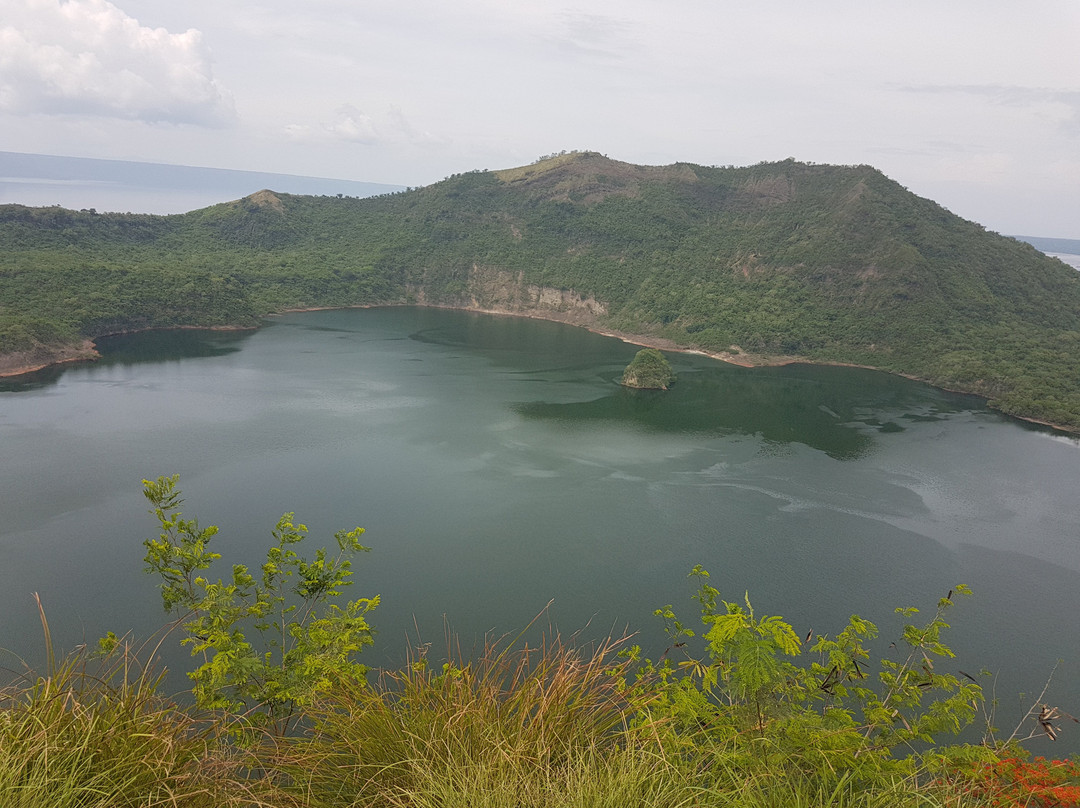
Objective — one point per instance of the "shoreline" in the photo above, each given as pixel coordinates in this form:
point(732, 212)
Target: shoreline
point(87, 351)
point(22, 363)
point(664, 344)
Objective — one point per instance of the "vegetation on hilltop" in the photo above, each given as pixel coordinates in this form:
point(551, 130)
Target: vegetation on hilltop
point(778, 260)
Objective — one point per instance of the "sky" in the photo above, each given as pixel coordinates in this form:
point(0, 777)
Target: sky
point(973, 103)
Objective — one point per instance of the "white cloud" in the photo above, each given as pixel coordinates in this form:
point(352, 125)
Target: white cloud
point(89, 57)
point(353, 125)
point(1060, 106)
point(593, 35)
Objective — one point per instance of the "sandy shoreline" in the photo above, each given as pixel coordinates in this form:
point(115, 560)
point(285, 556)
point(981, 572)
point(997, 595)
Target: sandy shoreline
point(22, 362)
point(744, 360)
point(87, 351)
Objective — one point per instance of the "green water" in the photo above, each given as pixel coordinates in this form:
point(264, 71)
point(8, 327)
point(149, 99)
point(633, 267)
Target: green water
point(497, 465)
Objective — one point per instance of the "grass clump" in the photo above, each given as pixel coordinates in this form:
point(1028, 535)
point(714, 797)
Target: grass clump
point(94, 733)
point(550, 726)
point(532, 726)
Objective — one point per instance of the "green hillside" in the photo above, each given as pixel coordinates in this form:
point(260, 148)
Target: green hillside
point(762, 263)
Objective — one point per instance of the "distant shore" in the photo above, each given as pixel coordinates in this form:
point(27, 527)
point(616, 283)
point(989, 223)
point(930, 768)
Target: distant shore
point(87, 351)
point(22, 362)
point(745, 360)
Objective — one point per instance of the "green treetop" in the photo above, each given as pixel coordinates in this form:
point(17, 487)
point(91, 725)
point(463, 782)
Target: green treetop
point(649, 370)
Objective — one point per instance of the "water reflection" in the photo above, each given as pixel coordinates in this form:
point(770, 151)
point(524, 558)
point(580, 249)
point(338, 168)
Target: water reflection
point(834, 410)
point(169, 344)
point(158, 345)
point(36, 380)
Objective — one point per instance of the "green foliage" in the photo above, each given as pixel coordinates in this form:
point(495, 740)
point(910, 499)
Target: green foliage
point(302, 648)
point(758, 719)
point(649, 369)
point(751, 694)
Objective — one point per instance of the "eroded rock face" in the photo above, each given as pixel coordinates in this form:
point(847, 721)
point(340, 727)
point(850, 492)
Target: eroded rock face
point(499, 291)
point(19, 362)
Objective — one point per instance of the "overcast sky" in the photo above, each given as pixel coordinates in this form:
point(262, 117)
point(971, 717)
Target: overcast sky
point(974, 103)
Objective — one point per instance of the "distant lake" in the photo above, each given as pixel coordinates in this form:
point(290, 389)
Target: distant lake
point(120, 185)
point(497, 465)
point(1069, 258)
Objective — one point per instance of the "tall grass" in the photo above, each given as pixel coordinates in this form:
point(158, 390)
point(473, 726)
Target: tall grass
point(542, 726)
point(551, 726)
point(93, 733)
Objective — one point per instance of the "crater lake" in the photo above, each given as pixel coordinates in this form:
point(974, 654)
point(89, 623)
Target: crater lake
point(497, 465)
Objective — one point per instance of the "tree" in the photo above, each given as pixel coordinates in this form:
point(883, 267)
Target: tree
point(305, 639)
point(753, 687)
point(648, 370)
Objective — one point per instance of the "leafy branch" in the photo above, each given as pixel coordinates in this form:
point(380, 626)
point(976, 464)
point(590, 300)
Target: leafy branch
point(304, 639)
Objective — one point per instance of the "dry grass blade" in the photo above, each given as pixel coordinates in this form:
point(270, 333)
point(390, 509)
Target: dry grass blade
point(511, 715)
point(87, 735)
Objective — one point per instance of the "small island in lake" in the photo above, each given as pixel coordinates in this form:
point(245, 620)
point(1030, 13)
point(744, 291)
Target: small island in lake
point(649, 370)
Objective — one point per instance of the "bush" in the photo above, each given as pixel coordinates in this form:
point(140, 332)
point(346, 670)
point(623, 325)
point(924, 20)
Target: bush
point(648, 370)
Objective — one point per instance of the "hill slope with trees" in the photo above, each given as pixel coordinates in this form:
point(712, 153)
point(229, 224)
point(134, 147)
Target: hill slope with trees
point(771, 262)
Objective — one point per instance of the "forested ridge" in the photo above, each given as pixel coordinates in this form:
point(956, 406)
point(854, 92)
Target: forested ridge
point(772, 261)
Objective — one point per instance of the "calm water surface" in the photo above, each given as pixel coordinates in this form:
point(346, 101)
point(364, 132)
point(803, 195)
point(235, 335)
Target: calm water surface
point(497, 465)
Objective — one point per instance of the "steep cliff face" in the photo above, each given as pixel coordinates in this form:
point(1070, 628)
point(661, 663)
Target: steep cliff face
point(499, 291)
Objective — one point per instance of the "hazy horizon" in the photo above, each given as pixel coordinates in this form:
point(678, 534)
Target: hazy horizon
point(127, 186)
